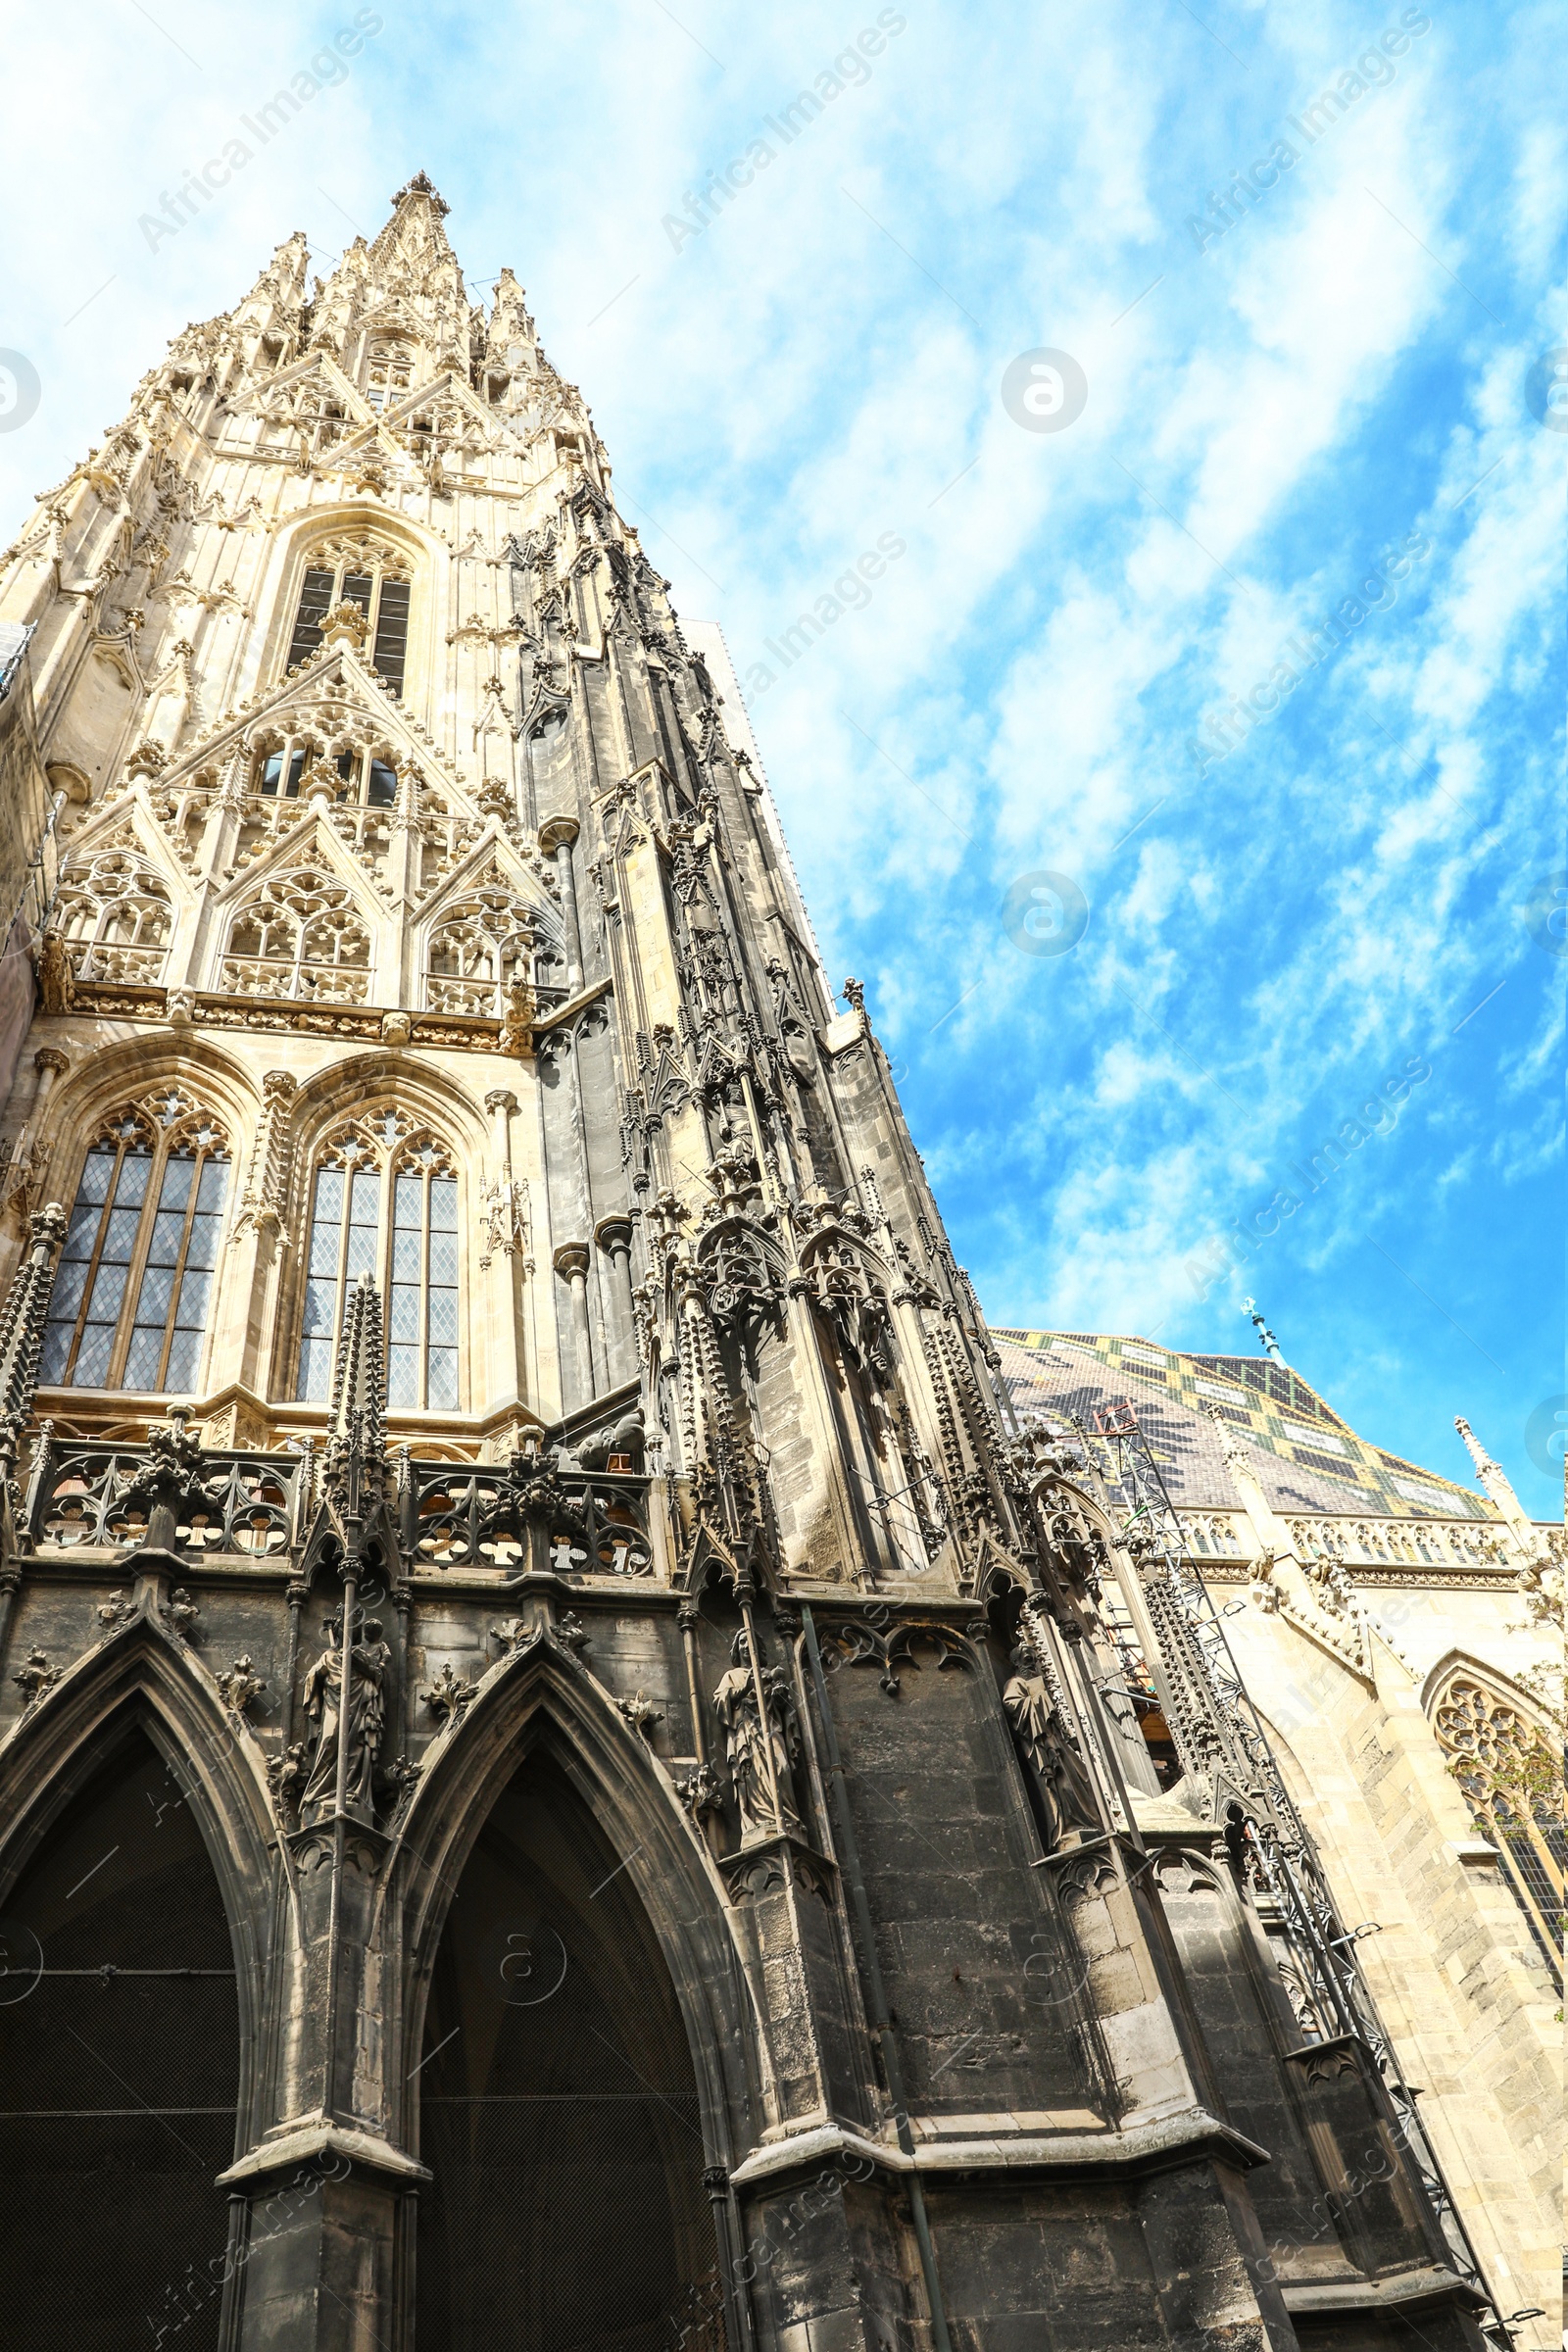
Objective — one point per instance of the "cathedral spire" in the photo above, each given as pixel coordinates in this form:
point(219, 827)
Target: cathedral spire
point(406, 282)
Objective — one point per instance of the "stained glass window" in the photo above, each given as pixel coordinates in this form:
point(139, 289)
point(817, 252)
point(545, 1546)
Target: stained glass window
point(132, 1292)
point(394, 1217)
point(1514, 1781)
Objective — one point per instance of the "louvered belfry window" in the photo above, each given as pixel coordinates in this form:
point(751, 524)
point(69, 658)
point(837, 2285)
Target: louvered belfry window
point(133, 1287)
point(363, 573)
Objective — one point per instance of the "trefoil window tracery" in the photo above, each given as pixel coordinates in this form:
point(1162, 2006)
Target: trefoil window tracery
point(114, 913)
point(302, 937)
point(1516, 1789)
point(483, 943)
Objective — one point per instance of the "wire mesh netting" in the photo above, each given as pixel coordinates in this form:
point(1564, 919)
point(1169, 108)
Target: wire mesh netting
point(118, 2062)
point(558, 2108)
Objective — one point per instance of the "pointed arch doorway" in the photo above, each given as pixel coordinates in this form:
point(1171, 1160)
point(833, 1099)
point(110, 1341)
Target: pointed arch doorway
point(118, 2069)
point(558, 2105)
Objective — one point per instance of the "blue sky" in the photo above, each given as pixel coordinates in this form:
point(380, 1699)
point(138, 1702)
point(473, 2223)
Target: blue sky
point(1324, 409)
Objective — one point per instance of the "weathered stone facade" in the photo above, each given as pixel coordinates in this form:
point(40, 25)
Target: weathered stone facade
point(566, 1778)
point(1401, 1635)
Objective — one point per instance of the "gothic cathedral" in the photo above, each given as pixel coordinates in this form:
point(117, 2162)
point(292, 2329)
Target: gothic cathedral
point(570, 1777)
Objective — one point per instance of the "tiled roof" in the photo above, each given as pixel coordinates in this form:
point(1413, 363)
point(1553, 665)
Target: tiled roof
point(1305, 1458)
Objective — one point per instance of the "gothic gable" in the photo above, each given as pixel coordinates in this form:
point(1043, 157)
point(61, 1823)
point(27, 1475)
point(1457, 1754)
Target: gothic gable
point(126, 828)
point(334, 690)
point(310, 846)
point(279, 397)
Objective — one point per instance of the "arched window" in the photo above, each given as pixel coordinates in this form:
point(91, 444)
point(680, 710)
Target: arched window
point(391, 372)
point(363, 572)
point(130, 1297)
point(384, 1202)
point(114, 913)
point(358, 775)
point(1515, 1787)
point(482, 942)
point(302, 936)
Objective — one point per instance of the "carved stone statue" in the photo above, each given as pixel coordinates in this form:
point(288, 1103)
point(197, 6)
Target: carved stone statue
point(748, 1747)
point(1035, 1713)
point(55, 981)
point(516, 1025)
point(369, 1660)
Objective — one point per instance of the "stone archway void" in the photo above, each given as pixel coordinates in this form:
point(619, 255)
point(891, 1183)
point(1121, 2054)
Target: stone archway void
point(119, 2063)
point(559, 2106)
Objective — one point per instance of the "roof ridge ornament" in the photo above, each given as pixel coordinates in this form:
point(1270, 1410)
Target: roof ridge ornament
point(1266, 1339)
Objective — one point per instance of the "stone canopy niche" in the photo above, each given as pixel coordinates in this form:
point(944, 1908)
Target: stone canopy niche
point(557, 2105)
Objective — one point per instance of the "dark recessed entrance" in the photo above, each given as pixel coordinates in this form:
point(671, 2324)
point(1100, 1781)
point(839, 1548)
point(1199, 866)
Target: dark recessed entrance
point(558, 2109)
point(118, 2061)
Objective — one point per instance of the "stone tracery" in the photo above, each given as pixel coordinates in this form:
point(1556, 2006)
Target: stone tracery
point(115, 913)
point(301, 936)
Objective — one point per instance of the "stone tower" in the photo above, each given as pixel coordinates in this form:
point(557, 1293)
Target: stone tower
point(565, 1780)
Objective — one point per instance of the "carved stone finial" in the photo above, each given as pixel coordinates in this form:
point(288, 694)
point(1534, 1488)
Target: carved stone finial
point(640, 1712)
point(288, 1774)
point(1473, 1447)
point(448, 1695)
point(356, 1442)
point(183, 1613)
point(37, 1679)
point(701, 1794)
point(240, 1686)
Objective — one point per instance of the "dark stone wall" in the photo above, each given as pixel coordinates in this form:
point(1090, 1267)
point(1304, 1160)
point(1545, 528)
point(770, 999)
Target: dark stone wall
point(946, 1845)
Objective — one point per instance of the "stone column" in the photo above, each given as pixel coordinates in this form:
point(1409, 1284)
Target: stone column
point(557, 834)
point(243, 1314)
point(500, 1253)
point(613, 1236)
point(51, 1065)
point(572, 1265)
